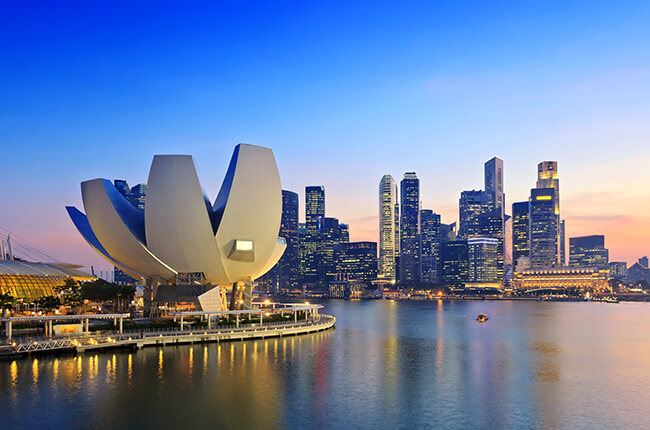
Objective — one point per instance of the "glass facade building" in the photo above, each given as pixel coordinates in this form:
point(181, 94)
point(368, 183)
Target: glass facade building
point(520, 231)
point(454, 261)
point(543, 228)
point(314, 214)
point(430, 245)
point(588, 251)
point(356, 261)
point(410, 229)
point(388, 228)
point(482, 257)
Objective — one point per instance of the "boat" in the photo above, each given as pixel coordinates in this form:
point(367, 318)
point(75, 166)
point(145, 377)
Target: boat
point(482, 318)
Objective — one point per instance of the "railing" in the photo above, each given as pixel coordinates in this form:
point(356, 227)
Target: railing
point(105, 339)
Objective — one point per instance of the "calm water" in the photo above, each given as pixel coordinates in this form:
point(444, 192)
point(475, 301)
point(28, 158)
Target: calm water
point(386, 365)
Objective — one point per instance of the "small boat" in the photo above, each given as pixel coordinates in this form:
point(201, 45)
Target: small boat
point(482, 318)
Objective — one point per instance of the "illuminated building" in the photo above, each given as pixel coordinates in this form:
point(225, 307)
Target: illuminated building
point(409, 229)
point(588, 251)
point(356, 261)
point(582, 278)
point(618, 270)
point(520, 231)
point(547, 177)
point(472, 207)
point(543, 228)
point(430, 245)
point(27, 282)
point(330, 236)
point(494, 183)
point(482, 259)
point(314, 214)
point(454, 262)
point(388, 228)
point(138, 195)
point(344, 233)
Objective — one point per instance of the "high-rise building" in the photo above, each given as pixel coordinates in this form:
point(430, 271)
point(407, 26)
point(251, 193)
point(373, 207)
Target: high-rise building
point(314, 214)
point(288, 265)
point(356, 261)
point(494, 183)
point(454, 261)
point(120, 277)
point(520, 231)
point(137, 195)
point(430, 245)
point(643, 261)
point(543, 228)
point(388, 228)
point(618, 270)
point(472, 207)
point(122, 187)
point(482, 259)
point(547, 177)
point(330, 235)
point(410, 229)
point(588, 251)
point(344, 231)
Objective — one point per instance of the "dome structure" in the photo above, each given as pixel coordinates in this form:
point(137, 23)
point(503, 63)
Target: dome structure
point(180, 231)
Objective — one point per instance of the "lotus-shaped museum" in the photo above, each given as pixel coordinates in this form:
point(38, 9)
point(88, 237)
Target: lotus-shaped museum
point(180, 233)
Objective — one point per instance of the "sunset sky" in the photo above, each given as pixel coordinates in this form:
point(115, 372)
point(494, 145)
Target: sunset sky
point(343, 94)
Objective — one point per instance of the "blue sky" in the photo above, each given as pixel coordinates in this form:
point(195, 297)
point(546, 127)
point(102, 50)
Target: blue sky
point(343, 92)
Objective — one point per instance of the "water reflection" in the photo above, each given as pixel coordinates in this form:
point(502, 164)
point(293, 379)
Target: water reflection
point(386, 365)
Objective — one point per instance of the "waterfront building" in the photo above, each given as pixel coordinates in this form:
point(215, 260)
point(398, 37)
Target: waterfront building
point(177, 236)
point(520, 231)
point(430, 245)
point(356, 261)
point(618, 270)
point(482, 258)
point(454, 262)
point(547, 177)
point(314, 214)
point(582, 278)
point(330, 236)
point(543, 228)
point(588, 251)
point(388, 228)
point(410, 229)
point(288, 265)
point(26, 281)
point(639, 271)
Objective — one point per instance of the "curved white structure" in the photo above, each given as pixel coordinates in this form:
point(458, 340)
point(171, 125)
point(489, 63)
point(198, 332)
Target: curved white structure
point(235, 239)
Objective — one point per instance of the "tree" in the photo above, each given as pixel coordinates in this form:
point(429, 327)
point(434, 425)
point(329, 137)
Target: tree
point(101, 291)
point(48, 303)
point(70, 293)
point(6, 303)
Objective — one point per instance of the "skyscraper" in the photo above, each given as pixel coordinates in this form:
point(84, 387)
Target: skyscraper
point(547, 177)
point(288, 264)
point(314, 214)
point(430, 245)
point(520, 231)
point(454, 262)
point(494, 183)
point(472, 207)
point(356, 261)
point(119, 276)
point(330, 236)
point(137, 195)
point(388, 228)
point(482, 253)
point(543, 228)
point(588, 251)
point(410, 229)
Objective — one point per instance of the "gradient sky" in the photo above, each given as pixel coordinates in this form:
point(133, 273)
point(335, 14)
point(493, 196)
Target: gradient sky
point(343, 93)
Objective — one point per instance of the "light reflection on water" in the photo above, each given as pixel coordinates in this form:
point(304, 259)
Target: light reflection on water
point(386, 365)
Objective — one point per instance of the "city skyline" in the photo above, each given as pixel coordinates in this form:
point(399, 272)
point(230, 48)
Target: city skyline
point(399, 95)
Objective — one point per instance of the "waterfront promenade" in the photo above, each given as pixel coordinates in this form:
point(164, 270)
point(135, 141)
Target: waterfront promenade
point(136, 339)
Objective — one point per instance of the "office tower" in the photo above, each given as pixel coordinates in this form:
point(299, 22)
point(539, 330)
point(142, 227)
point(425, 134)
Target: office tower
point(330, 236)
point(643, 261)
point(454, 261)
point(410, 229)
point(618, 270)
point(430, 245)
point(388, 233)
point(122, 187)
point(494, 183)
point(447, 232)
point(288, 265)
point(472, 207)
point(482, 259)
point(138, 195)
point(344, 231)
point(547, 177)
point(314, 213)
point(302, 252)
point(520, 231)
point(543, 228)
point(588, 251)
point(356, 261)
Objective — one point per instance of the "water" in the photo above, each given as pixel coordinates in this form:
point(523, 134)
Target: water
point(386, 365)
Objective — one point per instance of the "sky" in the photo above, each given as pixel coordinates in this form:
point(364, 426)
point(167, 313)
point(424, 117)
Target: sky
point(343, 92)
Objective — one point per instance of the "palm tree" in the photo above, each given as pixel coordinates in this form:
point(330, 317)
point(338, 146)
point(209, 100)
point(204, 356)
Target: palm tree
point(6, 303)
